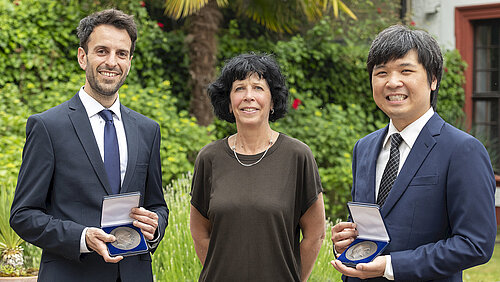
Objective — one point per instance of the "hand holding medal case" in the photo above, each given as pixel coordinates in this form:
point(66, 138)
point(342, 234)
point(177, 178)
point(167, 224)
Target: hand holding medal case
point(372, 238)
point(115, 220)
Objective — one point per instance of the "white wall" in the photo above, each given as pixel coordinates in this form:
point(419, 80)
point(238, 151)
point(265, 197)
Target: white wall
point(497, 198)
point(438, 17)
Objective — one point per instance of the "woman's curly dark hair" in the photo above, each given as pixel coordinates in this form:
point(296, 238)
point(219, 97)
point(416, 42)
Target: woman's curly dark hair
point(241, 67)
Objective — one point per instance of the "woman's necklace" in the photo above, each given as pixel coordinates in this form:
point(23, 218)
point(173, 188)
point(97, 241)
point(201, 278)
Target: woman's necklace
point(252, 164)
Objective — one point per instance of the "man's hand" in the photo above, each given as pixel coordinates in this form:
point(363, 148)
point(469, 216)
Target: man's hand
point(376, 268)
point(96, 240)
point(343, 234)
point(146, 220)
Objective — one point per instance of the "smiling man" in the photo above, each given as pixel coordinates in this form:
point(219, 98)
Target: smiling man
point(438, 206)
point(82, 150)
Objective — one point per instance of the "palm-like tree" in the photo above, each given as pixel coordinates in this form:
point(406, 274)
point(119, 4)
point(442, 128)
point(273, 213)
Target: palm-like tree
point(205, 17)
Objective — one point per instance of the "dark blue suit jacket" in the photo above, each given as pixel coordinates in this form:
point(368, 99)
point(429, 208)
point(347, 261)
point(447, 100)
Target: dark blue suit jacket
point(61, 185)
point(440, 213)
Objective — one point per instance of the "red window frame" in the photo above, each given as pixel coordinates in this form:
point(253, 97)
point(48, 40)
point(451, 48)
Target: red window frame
point(464, 36)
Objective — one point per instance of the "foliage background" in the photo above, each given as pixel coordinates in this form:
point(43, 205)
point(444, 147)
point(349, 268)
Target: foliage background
point(324, 65)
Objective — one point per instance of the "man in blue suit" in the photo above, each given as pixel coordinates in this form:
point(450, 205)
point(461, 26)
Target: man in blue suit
point(64, 174)
point(439, 211)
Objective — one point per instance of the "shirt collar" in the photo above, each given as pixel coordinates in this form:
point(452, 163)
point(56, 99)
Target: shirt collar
point(93, 107)
point(411, 132)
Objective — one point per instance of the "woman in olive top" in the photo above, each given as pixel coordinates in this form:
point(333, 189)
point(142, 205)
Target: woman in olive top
point(255, 191)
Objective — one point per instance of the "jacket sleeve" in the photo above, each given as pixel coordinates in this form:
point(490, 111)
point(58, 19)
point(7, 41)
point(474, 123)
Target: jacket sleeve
point(29, 216)
point(470, 189)
point(154, 199)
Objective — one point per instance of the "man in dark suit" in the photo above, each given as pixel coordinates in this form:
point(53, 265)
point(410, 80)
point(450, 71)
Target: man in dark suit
point(65, 174)
point(439, 207)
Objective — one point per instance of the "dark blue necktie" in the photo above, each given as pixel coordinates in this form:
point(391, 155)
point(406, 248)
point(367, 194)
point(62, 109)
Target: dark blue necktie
point(391, 170)
point(111, 151)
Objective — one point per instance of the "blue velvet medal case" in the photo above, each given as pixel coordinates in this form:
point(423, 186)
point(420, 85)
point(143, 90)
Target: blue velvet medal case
point(115, 220)
point(372, 235)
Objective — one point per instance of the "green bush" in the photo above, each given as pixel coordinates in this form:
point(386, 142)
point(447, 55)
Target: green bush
point(40, 71)
point(181, 137)
point(232, 42)
point(451, 95)
point(13, 115)
point(38, 46)
point(334, 72)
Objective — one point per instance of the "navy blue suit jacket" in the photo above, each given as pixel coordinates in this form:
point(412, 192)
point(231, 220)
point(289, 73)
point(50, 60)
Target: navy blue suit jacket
point(440, 213)
point(61, 185)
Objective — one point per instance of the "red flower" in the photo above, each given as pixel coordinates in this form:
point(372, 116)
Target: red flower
point(379, 10)
point(445, 69)
point(412, 23)
point(160, 25)
point(296, 103)
point(143, 4)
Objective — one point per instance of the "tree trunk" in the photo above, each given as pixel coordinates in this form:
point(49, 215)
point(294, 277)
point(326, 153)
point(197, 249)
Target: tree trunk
point(202, 31)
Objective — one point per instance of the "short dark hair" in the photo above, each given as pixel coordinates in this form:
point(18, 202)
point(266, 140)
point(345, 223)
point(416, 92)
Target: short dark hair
point(241, 67)
point(396, 41)
point(112, 17)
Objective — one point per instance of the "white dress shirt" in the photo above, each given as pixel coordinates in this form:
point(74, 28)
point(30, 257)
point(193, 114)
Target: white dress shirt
point(409, 134)
point(97, 122)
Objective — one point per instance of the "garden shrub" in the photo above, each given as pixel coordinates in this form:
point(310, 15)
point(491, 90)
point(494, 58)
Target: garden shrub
point(38, 45)
point(38, 60)
point(232, 42)
point(451, 95)
point(181, 137)
point(39, 70)
point(327, 78)
point(13, 115)
point(334, 72)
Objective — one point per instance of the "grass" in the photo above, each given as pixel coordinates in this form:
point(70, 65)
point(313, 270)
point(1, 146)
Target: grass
point(323, 271)
point(486, 272)
point(175, 258)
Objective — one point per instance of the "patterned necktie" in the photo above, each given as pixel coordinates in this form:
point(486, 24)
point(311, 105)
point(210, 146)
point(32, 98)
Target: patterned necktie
point(111, 152)
point(391, 170)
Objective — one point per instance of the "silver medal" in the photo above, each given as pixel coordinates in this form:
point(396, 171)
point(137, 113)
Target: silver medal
point(361, 250)
point(126, 238)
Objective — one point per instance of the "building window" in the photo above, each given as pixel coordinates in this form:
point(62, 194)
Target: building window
point(486, 89)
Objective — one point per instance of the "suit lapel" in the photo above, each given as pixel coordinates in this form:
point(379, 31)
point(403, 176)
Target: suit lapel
point(131, 131)
point(372, 156)
point(78, 116)
point(423, 145)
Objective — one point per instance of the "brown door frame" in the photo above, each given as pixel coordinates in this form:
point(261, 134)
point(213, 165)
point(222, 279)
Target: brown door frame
point(464, 35)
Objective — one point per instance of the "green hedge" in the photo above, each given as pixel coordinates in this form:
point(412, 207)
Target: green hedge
point(39, 70)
